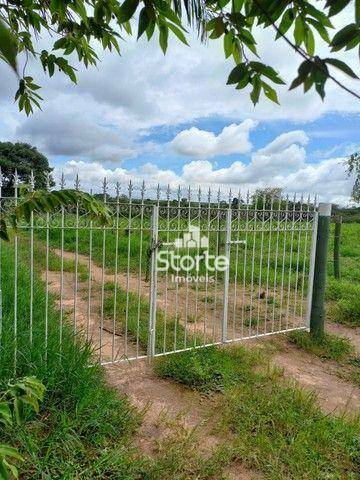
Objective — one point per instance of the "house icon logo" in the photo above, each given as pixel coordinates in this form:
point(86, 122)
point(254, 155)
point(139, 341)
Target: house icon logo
point(192, 239)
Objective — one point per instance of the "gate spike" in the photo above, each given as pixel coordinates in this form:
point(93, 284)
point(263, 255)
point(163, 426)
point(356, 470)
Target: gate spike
point(117, 190)
point(209, 195)
point(32, 180)
point(168, 193)
point(47, 175)
point(16, 178)
point(77, 182)
point(189, 194)
point(199, 194)
point(105, 187)
point(158, 193)
point(218, 196)
point(1, 177)
point(62, 181)
point(142, 191)
point(130, 190)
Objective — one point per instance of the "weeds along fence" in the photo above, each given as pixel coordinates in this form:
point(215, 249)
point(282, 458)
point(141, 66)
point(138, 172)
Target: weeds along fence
point(174, 269)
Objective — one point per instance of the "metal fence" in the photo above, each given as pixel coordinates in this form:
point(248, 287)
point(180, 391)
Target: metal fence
point(173, 270)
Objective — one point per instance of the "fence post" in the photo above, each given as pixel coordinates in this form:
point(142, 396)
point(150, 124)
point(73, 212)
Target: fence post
point(317, 313)
point(153, 280)
point(226, 277)
point(337, 234)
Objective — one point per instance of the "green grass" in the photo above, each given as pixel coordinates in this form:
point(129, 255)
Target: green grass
point(275, 427)
point(170, 333)
point(280, 431)
point(345, 308)
point(330, 347)
point(137, 244)
point(69, 436)
point(208, 369)
point(343, 295)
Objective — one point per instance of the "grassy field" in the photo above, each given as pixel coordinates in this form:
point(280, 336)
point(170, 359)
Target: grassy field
point(275, 427)
point(69, 435)
point(130, 244)
point(344, 295)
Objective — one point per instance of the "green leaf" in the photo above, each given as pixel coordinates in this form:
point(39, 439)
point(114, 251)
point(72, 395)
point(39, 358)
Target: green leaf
point(299, 31)
point(127, 10)
point(243, 82)
point(270, 92)
point(336, 6)
point(318, 15)
point(320, 29)
point(144, 21)
point(286, 22)
point(237, 51)
point(171, 15)
point(345, 36)
point(341, 66)
point(150, 30)
point(8, 46)
point(163, 37)
point(7, 451)
point(309, 42)
point(176, 30)
point(4, 473)
point(237, 73)
point(267, 71)
point(296, 82)
point(255, 93)
point(5, 413)
point(228, 44)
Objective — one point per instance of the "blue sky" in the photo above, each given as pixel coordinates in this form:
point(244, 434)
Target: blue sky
point(331, 134)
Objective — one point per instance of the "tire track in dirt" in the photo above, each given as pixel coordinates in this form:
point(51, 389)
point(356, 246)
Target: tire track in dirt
point(165, 403)
point(334, 394)
point(168, 408)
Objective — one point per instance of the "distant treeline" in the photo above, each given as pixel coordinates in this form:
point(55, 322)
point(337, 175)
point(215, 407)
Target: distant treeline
point(349, 215)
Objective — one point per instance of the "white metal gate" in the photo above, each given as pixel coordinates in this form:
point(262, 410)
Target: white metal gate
point(175, 269)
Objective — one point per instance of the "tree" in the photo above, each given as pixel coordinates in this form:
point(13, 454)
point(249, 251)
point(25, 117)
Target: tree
point(268, 196)
point(74, 25)
point(353, 167)
point(25, 158)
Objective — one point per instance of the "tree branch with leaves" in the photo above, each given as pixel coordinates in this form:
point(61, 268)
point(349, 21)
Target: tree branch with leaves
point(74, 26)
point(40, 202)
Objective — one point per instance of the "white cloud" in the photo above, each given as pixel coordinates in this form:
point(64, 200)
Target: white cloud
point(285, 140)
point(327, 178)
point(135, 96)
point(202, 143)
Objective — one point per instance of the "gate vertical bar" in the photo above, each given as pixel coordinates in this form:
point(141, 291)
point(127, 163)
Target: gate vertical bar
point(226, 277)
point(153, 280)
point(16, 186)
